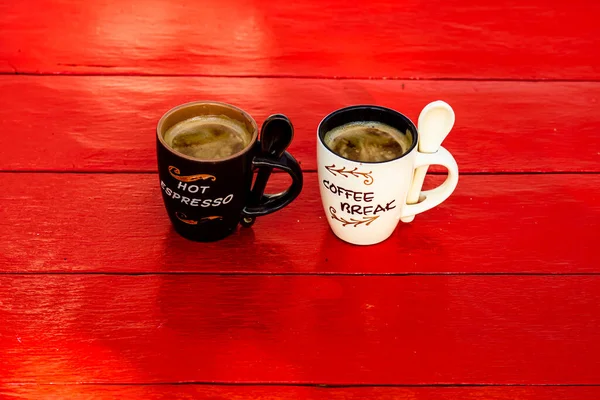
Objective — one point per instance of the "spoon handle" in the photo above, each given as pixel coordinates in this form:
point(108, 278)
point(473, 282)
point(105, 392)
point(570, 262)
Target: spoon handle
point(276, 135)
point(256, 194)
point(415, 190)
point(435, 122)
point(262, 177)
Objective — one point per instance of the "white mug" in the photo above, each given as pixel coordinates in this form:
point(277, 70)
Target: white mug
point(364, 201)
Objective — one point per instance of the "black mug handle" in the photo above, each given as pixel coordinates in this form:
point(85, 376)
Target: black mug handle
point(269, 203)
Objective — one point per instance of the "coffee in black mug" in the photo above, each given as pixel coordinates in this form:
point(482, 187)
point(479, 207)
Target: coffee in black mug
point(207, 153)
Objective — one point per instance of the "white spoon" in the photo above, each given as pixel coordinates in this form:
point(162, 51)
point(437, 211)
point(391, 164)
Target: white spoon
point(435, 122)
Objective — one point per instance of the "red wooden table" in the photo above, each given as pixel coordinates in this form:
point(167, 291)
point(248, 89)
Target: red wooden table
point(493, 295)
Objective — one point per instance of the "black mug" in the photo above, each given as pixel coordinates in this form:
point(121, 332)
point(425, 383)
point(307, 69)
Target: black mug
point(206, 199)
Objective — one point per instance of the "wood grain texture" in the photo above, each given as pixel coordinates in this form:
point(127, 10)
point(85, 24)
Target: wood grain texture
point(117, 223)
point(108, 123)
point(300, 329)
point(531, 39)
point(168, 392)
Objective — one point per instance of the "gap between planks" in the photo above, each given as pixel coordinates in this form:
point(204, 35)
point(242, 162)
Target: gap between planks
point(306, 77)
point(292, 273)
point(310, 384)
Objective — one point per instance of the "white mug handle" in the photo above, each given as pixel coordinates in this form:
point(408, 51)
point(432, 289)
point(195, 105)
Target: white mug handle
point(434, 197)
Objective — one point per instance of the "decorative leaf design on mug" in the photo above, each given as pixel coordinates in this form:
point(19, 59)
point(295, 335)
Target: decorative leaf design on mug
point(174, 171)
point(183, 218)
point(350, 172)
point(354, 222)
point(212, 217)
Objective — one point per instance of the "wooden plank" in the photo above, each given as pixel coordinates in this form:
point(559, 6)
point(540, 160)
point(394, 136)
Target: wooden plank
point(219, 392)
point(452, 38)
point(117, 223)
point(108, 123)
point(300, 329)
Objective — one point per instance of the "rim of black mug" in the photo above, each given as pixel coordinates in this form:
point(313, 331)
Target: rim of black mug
point(368, 106)
point(199, 102)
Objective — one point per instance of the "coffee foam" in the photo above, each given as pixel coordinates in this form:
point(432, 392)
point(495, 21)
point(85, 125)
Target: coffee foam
point(208, 137)
point(370, 150)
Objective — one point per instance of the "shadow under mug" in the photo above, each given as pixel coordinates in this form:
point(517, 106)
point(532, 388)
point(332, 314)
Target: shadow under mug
point(364, 201)
point(206, 199)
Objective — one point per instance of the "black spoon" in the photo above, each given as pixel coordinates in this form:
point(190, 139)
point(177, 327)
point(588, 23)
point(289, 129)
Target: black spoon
point(275, 136)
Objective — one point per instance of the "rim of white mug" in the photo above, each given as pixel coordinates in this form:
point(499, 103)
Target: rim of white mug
point(412, 147)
